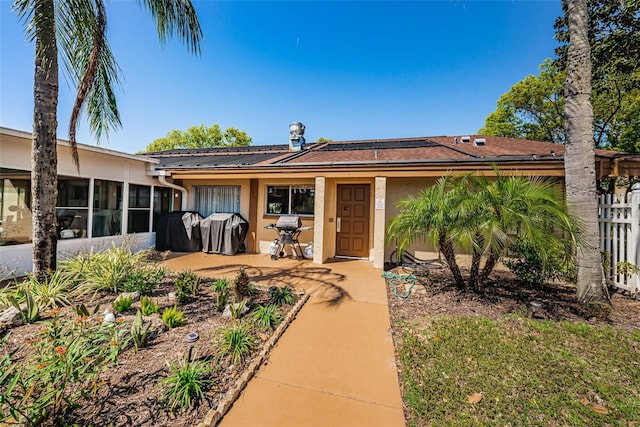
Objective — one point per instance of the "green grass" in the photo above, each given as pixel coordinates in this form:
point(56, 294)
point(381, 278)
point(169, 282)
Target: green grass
point(529, 373)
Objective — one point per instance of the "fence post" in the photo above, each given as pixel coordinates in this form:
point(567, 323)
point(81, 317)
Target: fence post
point(634, 255)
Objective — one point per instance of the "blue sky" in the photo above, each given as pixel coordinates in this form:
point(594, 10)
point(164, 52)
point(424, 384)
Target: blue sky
point(347, 70)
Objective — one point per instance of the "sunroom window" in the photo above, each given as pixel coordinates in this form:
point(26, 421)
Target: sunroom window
point(139, 208)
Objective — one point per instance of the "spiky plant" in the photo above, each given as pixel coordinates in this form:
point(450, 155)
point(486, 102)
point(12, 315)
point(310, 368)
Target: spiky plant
point(241, 285)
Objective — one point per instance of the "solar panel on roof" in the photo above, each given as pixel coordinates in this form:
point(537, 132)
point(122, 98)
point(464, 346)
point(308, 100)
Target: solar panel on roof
point(372, 145)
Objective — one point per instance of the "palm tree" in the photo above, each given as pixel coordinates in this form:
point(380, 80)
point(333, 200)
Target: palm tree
point(430, 217)
point(483, 216)
point(78, 29)
point(579, 156)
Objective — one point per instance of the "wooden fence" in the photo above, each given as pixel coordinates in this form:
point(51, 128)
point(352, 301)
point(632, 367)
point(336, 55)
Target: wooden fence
point(619, 219)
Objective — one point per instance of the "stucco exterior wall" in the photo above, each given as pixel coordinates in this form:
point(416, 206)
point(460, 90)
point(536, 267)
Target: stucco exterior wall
point(397, 190)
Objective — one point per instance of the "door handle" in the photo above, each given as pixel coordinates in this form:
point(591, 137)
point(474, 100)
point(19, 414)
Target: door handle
point(338, 222)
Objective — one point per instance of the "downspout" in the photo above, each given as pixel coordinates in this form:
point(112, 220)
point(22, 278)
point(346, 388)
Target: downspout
point(162, 178)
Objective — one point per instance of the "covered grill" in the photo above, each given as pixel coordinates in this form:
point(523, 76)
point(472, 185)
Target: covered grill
point(288, 228)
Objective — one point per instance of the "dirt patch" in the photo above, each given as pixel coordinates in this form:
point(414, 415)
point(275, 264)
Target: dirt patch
point(503, 294)
point(129, 392)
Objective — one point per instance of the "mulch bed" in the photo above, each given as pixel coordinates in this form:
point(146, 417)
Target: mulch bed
point(503, 294)
point(129, 395)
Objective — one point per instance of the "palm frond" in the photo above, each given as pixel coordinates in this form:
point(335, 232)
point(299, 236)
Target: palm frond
point(176, 18)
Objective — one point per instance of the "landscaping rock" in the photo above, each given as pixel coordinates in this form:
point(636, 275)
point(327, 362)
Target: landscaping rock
point(10, 318)
point(227, 310)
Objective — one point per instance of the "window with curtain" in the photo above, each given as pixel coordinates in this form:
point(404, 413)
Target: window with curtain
point(217, 199)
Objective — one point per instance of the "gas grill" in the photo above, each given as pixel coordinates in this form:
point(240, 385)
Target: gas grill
point(288, 228)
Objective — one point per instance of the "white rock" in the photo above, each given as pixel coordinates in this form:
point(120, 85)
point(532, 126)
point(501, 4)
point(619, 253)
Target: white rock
point(11, 317)
point(109, 318)
point(227, 310)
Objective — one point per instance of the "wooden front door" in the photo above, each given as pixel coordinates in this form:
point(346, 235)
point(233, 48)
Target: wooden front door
point(352, 220)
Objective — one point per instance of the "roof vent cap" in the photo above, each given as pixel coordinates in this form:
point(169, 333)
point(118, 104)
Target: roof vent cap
point(464, 139)
point(296, 138)
point(479, 142)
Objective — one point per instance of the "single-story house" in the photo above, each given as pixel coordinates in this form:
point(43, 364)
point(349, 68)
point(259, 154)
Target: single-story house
point(346, 190)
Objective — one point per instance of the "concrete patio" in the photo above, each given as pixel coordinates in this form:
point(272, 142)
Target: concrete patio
point(335, 365)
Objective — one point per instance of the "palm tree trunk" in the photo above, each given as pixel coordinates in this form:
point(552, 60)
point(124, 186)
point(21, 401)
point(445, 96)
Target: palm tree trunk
point(579, 157)
point(489, 264)
point(474, 277)
point(446, 247)
point(44, 159)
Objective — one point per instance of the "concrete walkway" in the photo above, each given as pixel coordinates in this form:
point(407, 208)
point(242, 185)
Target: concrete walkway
point(335, 365)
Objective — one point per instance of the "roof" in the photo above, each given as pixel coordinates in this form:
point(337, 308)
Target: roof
point(439, 149)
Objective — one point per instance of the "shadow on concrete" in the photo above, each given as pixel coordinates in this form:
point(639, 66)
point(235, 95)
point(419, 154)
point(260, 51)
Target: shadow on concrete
point(319, 282)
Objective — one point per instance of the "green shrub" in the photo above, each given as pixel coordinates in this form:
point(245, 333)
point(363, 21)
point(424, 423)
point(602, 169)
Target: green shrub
point(537, 263)
point(59, 370)
point(220, 285)
point(187, 284)
point(144, 280)
point(148, 306)
point(236, 342)
point(52, 292)
point(122, 304)
point(281, 296)
point(106, 271)
point(139, 331)
point(267, 317)
point(173, 318)
point(185, 385)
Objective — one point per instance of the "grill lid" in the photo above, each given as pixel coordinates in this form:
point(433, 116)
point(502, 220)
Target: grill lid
point(289, 222)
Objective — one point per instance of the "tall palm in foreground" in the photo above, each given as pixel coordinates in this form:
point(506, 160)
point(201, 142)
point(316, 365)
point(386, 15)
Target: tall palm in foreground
point(78, 29)
point(579, 156)
point(483, 216)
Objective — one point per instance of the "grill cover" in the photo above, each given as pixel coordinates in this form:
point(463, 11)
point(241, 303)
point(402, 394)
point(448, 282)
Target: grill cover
point(289, 222)
point(224, 233)
point(179, 231)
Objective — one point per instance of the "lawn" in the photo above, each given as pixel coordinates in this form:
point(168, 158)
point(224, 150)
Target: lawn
point(481, 359)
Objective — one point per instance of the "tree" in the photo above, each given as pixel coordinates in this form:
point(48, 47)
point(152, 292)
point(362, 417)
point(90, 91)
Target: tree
point(579, 157)
point(78, 29)
point(533, 108)
point(200, 137)
point(484, 217)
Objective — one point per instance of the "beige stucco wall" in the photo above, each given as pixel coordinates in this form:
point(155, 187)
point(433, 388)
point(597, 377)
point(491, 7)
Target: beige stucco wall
point(399, 189)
